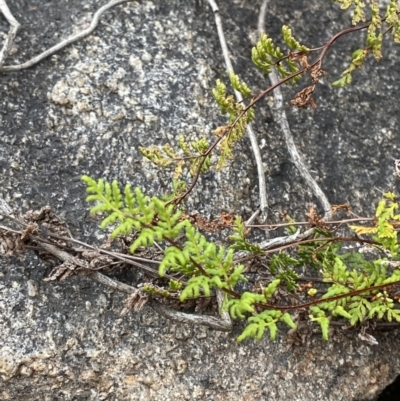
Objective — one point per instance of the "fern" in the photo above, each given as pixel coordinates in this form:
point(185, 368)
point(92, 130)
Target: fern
point(266, 320)
point(318, 316)
point(266, 55)
point(374, 35)
point(392, 17)
point(238, 85)
point(280, 267)
point(386, 234)
point(133, 212)
point(157, 222)
point(357, 60)
point(239, 307)
point(233, 132)
point(239, 240)
point(189, 155)
point(360, 274)
point(355, 287)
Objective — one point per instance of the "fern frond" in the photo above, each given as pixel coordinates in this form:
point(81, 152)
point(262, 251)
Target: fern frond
point(239, 85)
point(266, 320)
point(320, 317)
point(194, 286)
point(239, 238)
point(238, 307)
point(265, 55)
point(291, 41)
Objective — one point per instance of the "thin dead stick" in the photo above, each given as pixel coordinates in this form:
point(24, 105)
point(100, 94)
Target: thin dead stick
point(223, 324)
point(64, 43)
point(283, 122)
point(100, 250)
point(12, 33)
point(252, 218)
point(239, 98)
point(10, 230)
point(304, 223)
point(128, 259)
point(283, 240)
point(114, 284)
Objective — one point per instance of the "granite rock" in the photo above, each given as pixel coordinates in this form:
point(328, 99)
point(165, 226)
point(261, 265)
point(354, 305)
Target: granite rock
point(145, 77)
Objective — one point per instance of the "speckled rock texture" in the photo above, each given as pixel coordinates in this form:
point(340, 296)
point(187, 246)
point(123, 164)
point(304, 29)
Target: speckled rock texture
point(144, 77)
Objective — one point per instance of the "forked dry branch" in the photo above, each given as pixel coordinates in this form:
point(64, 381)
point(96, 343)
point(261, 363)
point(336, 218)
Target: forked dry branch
point(49, 52)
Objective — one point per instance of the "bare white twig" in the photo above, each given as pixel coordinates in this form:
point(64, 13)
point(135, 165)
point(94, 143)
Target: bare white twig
point(283, 240)
point(239, 98)
point(253, 217)
point(64, 43)
point(283, 122)
point(12, 33)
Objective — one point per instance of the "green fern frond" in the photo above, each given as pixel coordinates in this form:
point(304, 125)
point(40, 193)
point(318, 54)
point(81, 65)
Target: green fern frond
point(238, 84)
point(225, 102)
point(319, 317)
point(176, 260)
point(270, 290)
point(342, 82)
point(291, 41)
point(266, 320)
point(168, 157)
point(207, 266)
point(239, 238)
point(239, 307)
point(358, 14)
point(260, 54)
point(265, 55)
point(194, 286)
point(392, 10)
point(154, 154)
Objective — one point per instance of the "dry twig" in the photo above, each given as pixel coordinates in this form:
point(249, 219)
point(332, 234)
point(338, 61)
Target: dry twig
point(12, 33)
point(239, 98)
point(294, 154)
point(64, 43)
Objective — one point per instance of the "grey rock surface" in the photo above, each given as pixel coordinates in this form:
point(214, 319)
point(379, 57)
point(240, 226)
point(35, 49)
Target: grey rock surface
point(144, 77)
